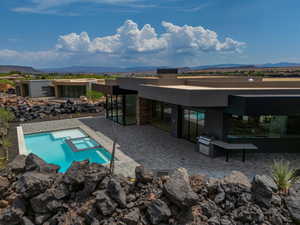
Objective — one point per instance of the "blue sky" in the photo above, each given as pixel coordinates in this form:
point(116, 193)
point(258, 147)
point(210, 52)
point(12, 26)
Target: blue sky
point(54, 33)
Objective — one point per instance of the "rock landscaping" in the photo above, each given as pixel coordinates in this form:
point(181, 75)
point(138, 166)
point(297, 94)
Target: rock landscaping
point(32, 192)
point(26, 110)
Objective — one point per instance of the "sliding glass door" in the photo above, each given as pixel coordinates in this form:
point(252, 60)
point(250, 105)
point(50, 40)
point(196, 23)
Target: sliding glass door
point(121, 109)
point(162, 115)
point(192, 123)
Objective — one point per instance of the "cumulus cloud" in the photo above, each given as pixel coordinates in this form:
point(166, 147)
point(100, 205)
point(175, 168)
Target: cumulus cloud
point(131, 45)
point(130, 39)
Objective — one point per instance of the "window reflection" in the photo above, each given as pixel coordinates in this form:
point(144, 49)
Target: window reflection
point(192, 124)
point(121, 108)
point(264, 126)
point(162, 115)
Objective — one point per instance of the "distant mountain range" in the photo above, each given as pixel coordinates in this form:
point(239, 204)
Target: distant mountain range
point(11, 68)
point(96, 69)
point(101, 69)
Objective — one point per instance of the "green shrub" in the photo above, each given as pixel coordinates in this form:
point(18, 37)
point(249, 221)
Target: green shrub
point(6, 117)
point(94, 95)
point(283, 175)
point(5, 81)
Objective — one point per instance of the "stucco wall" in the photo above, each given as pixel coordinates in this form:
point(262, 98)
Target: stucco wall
point(35, 88)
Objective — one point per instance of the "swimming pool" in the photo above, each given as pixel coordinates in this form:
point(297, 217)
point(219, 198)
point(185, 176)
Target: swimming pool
point(66, 146)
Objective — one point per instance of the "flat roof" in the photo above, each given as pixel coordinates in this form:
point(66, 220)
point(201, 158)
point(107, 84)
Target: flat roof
point(268, 96)
point(76, 80)
point(191, 87)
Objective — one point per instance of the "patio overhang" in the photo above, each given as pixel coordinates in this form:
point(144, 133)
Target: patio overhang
point(259, 104)
point(112, 89)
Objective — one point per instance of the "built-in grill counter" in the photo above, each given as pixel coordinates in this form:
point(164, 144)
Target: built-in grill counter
point(205, 145)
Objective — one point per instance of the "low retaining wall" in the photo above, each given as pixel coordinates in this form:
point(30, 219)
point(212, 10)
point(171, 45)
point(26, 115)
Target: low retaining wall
point(27, 112)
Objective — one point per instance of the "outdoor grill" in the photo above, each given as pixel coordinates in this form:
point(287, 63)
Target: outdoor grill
point(204, 143)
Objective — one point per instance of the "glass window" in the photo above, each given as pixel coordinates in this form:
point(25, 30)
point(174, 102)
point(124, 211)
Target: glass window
point(130, 109)
point(115, 109)
point(192, 124)
point(120, 109)
point(161, 115)
point(264, 126)
point(71, 91)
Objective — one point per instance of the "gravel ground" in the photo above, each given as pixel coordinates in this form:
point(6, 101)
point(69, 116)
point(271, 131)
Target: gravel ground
point(158, 150)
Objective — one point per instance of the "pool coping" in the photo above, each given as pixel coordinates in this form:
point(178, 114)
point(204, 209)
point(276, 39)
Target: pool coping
point(22, 150)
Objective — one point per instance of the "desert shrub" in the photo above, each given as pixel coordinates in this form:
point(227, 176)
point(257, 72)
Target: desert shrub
point(6, 116)
point(283, 175)
point(94, 95)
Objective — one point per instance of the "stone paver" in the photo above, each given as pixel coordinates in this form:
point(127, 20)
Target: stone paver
point(158, 150)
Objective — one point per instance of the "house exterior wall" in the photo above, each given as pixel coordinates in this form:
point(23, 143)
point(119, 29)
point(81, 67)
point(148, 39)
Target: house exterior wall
point(36, 88)
point(214, 123)
point(144, 111)
point(215, 102)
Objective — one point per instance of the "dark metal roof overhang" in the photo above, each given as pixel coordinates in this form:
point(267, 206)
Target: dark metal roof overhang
point(184, 97)
point(112, 89)
point(260, 104)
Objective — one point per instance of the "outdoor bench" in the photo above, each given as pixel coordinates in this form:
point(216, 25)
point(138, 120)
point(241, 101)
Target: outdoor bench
point(234, 147)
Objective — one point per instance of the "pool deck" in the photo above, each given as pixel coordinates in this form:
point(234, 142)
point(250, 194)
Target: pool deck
point(156, 149)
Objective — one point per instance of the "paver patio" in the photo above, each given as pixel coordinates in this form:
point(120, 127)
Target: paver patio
point(158, 150)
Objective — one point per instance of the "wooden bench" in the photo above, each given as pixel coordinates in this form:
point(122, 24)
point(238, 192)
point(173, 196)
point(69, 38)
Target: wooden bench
point(234, 146)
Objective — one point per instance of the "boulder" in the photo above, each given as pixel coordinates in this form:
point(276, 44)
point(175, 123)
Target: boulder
point(262, 190)
point(33, 183)
point(132, 218)
point(237, 178)
point(41, 218)
point(19, 204)
point(33, 162)
point(75, 175)
point(4, 185)
point(293, 202)
point(225, 221)
point(10, 216)
point(178, 189)
point(209, 209)
point(143, 175)
point(3, 204)
point(18, 164)
point(39, 202)
point(58, 192)
point(158, 212)
point(26, 221)
point(213, 221)
point(104, 203)
point(116, 192)
point(249, 214)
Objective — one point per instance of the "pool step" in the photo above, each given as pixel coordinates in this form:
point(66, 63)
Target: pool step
point(103, 156)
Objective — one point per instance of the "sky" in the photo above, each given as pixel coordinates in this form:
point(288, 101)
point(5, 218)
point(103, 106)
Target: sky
point(130, 33)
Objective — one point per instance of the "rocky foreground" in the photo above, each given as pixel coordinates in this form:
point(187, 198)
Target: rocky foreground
point(32, 192)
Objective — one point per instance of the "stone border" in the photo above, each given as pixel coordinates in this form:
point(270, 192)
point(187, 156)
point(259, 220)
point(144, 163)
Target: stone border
point(21, 141)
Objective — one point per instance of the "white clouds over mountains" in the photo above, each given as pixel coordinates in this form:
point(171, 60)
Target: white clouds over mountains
point(131, 45)
point(129, 39)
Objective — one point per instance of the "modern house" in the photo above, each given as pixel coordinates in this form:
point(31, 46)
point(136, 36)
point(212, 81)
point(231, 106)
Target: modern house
point(60, 88)
point(35, 88)
point(262, 111)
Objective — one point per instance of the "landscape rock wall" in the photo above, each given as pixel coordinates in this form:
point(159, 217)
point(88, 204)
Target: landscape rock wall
point(32, 192)
point(26, 110)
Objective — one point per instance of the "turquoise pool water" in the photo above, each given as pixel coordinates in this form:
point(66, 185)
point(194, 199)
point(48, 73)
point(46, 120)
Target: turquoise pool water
point(53, 148)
